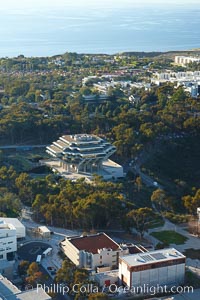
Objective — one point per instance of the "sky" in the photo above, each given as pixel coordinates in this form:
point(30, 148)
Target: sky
point(24, 4)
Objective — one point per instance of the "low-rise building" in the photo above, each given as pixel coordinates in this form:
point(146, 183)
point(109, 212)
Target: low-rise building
point(160, 267)
point(107, 278)
point(9, 291)
point(44, 231)
point(93, 251)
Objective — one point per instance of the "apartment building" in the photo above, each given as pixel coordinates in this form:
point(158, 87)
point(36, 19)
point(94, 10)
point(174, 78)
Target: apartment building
point(184, 60)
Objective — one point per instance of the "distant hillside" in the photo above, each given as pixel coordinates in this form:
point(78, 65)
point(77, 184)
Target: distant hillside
point(169, 54)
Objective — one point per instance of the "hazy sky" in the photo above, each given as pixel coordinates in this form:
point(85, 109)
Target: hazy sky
point(23, 4)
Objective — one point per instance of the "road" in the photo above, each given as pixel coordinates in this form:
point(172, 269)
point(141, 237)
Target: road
point(53, 259)
point(134, 166)
point(22, 147)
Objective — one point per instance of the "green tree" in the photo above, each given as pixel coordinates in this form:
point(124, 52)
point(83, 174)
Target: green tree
point(138, 182)
point(98, 296)
point(34, 274)
point(66, 272)
point(23, 183)
point(140, 218)
point(23, 267)
point(32, 269)
point(158, 197)
point(191, 203)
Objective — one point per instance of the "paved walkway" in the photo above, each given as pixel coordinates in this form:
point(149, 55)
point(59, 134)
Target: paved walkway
point(192, 242)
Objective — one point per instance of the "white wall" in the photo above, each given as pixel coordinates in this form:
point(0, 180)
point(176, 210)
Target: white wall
point(123, 271)
point(21, 232)
point(8, 241)
point(173, 274)
point(71, 252)
point(104, 257)
point(20, 228)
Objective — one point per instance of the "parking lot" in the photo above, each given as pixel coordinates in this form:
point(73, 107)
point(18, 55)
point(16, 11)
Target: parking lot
point(31, 250)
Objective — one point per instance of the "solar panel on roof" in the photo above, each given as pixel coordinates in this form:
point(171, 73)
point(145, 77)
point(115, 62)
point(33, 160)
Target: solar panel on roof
point(146, 257)
point(158, 256)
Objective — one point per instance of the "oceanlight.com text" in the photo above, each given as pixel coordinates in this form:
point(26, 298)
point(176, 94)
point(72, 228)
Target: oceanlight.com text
point(114, 289)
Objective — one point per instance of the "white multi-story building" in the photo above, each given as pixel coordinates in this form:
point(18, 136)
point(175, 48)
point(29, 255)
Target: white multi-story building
point(85, 154)
point(20, 228)
point(160, 267)
point(95, 252)
point(175, 76)
point(189, 80)
point(184, 60)
point(8, 241)
point(193, 88)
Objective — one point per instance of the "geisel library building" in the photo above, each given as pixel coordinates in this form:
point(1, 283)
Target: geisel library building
point(83, 155)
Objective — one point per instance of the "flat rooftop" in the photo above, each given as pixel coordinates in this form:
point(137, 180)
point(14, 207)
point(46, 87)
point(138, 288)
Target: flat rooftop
point(14, 221)
point(44, 229)
point(93, 243)
point(7, 288)
point(33, 294)
point(9, 291)
point(80, 138)
point(4, 225)
point(152, 257)
point(107, 274)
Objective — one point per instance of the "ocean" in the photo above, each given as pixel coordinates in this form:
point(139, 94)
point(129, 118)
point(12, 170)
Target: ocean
point(50, 31)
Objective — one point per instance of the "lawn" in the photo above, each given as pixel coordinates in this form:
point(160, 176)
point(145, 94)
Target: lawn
point(169, 237)
point(157, 222)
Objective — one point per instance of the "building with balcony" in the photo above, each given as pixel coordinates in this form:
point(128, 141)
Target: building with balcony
point(84, 154)
point(184, 60)
point(93, 252)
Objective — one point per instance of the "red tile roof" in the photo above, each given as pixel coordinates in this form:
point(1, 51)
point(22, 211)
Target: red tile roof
point(92, 243)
